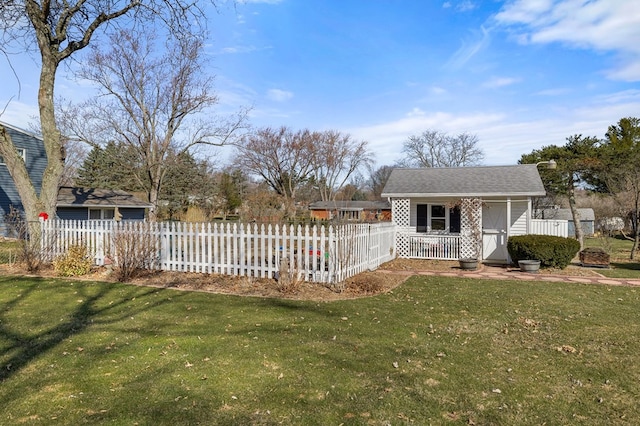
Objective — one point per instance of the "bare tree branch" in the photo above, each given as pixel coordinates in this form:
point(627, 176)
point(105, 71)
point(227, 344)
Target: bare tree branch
point(436, 149)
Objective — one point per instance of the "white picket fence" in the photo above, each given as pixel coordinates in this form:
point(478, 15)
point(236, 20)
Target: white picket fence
point(559, 228)
point(315, 253)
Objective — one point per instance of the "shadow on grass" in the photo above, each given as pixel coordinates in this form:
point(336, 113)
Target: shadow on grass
point(22, 347)
point(626, 265)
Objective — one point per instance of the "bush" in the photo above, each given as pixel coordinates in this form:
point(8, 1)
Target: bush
point(134, 250)
point(73, 263)
point(552, 252)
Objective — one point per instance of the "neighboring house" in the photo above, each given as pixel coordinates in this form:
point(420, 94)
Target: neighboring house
point(587, 219)
point(93, 204)
point(73, 203)
point(365, 211)
point(31, 148)
point(451, 213)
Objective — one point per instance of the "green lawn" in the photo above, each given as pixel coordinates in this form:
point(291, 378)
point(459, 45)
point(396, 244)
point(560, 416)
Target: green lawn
point(435, 351)
point(9, 251)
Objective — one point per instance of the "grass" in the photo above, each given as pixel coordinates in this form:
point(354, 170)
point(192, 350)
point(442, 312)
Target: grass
point(436, 350)
point(9, 250)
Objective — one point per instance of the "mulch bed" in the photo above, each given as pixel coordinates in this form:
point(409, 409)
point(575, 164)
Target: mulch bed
point(385, 279)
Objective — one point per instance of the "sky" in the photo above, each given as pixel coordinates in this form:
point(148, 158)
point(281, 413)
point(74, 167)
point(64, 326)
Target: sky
point(519, 74)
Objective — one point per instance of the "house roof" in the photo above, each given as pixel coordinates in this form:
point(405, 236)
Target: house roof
point(90, 197)
point(13, 128)
point(565, 214)
point(518, 180)
point(350, 205)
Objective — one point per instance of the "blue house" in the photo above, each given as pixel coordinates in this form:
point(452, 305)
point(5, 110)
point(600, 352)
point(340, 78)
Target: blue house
point(31, 148)
point(72, 203)
point(99, 204)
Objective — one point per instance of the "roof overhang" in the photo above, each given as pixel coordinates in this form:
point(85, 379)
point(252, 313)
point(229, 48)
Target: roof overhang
point(454, 195)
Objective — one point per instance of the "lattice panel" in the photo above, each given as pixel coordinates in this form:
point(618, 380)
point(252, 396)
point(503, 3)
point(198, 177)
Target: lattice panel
point(401, 216)
point(401, 211)
point(471, 228)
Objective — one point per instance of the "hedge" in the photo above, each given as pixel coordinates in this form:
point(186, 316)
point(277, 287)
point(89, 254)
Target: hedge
point(552, 252)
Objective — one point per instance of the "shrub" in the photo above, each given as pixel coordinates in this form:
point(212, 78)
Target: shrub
point(134, 250)
point(30, 246)
point(73, 263)
point(552, 252)
point(289, 279)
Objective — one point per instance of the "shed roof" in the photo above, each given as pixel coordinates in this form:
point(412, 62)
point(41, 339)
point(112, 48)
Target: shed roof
point(90, 197)
point(517, 180)
point(350, 205)
point(565, 214)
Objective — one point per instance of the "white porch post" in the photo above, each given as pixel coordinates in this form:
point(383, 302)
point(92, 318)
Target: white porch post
point(508, 217)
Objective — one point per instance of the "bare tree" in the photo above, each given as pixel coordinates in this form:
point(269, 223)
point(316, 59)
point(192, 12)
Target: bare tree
point(437, 149)
point(336, 157)
point(378, 179)
point(57, 31)
point(281, 157)
point(150, 103)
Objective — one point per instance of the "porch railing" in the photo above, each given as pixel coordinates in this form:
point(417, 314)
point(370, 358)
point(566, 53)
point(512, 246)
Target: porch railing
point(445, 247)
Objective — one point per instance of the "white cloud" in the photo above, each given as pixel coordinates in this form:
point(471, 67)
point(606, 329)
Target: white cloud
point(603, 25)
point(503, 136)
point(278, 95)
point(497, 82)
point(466, 6)
point(18, 113)
point(463, 6)
point(469, 49)
point(238, 49)
point(386, 139)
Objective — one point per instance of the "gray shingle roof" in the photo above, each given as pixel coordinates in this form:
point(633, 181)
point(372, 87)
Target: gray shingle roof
point(350, 205)
point(75, 197)
point(522, 179)
point(565, 214)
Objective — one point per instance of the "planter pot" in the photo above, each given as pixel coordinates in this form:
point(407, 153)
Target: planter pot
point(468, 264)
point(531, 266)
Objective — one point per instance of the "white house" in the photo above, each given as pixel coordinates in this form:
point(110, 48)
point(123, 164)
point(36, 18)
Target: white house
point(461, 212)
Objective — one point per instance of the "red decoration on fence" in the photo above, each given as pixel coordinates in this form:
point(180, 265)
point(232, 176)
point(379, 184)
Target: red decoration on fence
point(43, 216)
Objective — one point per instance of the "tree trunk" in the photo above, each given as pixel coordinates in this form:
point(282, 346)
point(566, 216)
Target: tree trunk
point(44, 201)
point(576, 216)
point(153, 199)
point(635, 222)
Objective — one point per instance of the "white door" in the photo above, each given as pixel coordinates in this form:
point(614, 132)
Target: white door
point(494, 232)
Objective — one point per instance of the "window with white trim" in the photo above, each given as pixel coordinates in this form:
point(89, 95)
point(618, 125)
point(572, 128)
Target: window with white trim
point(21, 151)
point(101, 214)
point(437, 218)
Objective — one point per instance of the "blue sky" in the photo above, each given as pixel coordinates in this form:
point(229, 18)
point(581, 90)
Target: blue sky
point(518, 74)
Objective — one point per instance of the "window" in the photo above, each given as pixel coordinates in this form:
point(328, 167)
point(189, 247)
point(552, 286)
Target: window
point(437, 218)
point(21, 151)
point(101, 214)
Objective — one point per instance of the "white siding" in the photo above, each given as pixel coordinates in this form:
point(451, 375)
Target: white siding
point(519, 217)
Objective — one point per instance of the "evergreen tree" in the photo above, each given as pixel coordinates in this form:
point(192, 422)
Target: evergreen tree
point(111, 167)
